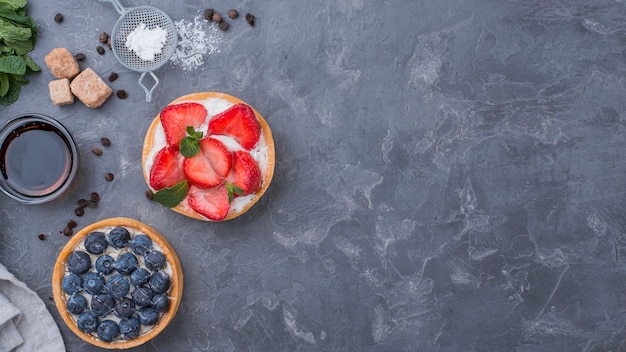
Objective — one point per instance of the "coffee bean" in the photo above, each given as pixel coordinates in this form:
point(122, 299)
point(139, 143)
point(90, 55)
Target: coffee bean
point(208, 14)
point(95, 196)
point(42, 236)
point(109, 43)
point(82, 203)
point(233, 14)
point(217, 18)
point(113, 76)
point(80, 211)
point(80, 56)
point(71, 224)
point(105, 142)
point(250, 19)
point(224, 26)
point(122, 94)
point(100, 50)
point(149, 194)
point(68, 232)
point(109, 176)
point(103, 37)
point(96, 151)
point(58, 18)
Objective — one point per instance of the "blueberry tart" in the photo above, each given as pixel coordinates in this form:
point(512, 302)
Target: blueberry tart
point(117, 283)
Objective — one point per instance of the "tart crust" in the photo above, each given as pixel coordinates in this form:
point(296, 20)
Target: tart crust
point(176, 279)
point(265, 130)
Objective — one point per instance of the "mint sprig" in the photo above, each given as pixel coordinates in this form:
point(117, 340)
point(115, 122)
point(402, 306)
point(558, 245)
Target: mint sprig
point(18, 34)
point(232, 190)
point(190, 145)
point(172, 196)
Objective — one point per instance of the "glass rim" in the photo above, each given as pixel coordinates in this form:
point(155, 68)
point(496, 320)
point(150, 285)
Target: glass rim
point(21, 120)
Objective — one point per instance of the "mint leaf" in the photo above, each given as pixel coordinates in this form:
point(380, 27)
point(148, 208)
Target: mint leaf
point(232, 190)
point(12, 94)
point(190, 145)
point(20, 47)
point(15, 4)
point(193, 133)
point(18, 79)
point(31, 64)
point(17, 38)
point(12, 33)
point(19, 17)
point(13, 64)
point(4, 84)
point(172, 196)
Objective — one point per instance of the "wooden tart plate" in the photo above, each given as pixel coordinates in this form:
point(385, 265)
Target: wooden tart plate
point(265, 130)
point(176, 281)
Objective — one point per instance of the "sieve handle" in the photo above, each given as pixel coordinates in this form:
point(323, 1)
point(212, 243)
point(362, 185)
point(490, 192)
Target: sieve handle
point(145, 89)
point(118, 7)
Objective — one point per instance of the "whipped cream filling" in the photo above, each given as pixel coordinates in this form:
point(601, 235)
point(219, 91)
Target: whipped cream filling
point(213, 106)
point(115, 253)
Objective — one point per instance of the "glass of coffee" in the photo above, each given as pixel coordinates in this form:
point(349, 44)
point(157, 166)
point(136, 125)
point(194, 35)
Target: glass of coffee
point(38, 159)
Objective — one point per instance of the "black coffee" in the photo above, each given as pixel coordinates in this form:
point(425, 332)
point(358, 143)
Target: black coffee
point(35, 159)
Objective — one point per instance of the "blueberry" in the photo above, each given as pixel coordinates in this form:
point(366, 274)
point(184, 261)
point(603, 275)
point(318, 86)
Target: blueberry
point(78, 262)
point(154, 260)
point(93, 283)
point(76, 304)
point(130, 328)
point(142, 296)
point(105, 264)
point(139, 277)
point(148, 316)
point(126, 263)
point(119, 237)
point(118, 286)
point(159, 282)
point(96, 243)
point(72, 284)
point(87, 322)
point(102, 304)
point(160, 303)
point(124, 307)
point(108, 330)
point(140, 244)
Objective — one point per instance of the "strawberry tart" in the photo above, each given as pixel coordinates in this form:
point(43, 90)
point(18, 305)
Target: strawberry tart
point(209, 156)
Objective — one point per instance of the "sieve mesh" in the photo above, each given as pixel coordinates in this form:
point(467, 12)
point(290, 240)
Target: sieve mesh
point(128, 22)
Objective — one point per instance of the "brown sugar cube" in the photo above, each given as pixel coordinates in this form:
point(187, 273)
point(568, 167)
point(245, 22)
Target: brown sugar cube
point(60, 92)
point(90, 89)
point(62, 63)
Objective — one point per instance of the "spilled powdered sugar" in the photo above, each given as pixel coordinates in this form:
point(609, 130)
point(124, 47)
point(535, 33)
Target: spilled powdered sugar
point(195, 35)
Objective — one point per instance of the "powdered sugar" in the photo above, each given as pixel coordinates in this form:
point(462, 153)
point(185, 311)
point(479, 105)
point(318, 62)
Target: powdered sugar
point(195, 35)
point(145, 42)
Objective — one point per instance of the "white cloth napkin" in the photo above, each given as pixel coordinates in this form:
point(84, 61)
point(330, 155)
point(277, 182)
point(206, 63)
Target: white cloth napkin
point(25, 323)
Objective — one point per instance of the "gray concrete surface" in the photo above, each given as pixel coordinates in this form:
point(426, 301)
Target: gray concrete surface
point(450, 175)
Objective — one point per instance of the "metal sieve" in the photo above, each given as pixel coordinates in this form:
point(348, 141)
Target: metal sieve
point(129, 20)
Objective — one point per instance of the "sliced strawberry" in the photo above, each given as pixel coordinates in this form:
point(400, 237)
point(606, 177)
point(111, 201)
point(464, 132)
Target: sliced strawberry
point(211, 202)
point(239, 122)
point(175, 119)
point(245, 172)
point(209, 167)
point(167, 169)
point(217, 153)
